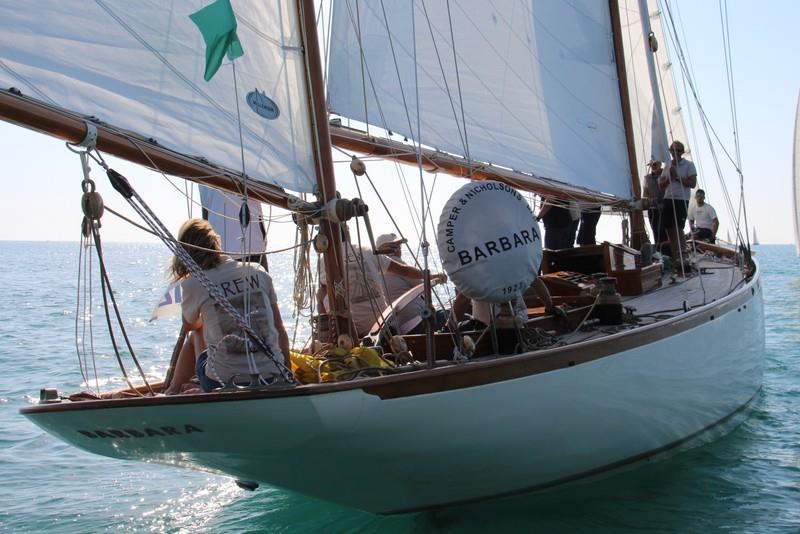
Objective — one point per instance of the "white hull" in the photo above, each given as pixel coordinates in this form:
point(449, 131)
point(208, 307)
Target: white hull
point(419, 451)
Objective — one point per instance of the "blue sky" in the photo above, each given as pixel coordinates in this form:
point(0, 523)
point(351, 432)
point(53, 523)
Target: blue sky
point(41, 178)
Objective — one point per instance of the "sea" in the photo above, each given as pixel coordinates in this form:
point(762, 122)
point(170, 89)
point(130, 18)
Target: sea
point(747, 481)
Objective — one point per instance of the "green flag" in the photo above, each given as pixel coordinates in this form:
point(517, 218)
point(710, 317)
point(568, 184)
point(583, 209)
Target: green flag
point(217, 23)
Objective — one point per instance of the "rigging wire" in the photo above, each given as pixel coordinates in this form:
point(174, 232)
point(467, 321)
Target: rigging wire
point(709, 129)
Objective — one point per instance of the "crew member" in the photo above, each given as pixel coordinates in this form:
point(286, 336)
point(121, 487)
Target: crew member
point(703, 218)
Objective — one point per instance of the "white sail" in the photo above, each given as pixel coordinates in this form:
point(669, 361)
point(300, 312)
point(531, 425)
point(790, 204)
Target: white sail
point(655, 108)
point(531, 86)
point(139, 66)
point(222, 211)
point(673, 111)
point(796, 181)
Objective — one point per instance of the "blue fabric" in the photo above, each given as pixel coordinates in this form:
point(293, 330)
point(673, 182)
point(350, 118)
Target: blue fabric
point(206, 383)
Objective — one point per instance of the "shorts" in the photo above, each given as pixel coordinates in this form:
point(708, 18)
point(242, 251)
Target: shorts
point(209, 384)
point(206, 383)
point(673, 215)
point(705, 234)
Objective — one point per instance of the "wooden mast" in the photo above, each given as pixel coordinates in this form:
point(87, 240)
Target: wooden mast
point(637, 217)
point(326, 181)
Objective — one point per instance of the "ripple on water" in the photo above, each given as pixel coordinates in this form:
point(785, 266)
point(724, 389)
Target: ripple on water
point(744, 482)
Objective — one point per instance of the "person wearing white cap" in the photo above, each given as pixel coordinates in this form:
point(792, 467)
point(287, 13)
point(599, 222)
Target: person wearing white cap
point(365, 286)
point(400, 277)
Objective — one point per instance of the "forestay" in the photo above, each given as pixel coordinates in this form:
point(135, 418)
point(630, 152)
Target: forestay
point(139, 66)
point(527, 85)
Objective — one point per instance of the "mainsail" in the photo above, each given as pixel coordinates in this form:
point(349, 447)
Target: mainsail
point(530, 86)
point(139, 67)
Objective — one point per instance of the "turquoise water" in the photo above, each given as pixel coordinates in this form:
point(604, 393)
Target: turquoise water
point(748, 481)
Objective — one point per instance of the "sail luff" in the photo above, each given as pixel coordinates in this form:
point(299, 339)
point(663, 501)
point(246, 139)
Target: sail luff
point(332, 258)
point(34, 115)
point(637, 218)
point(660, 126)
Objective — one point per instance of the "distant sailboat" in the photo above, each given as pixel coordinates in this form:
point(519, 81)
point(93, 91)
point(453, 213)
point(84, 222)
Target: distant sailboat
point(796, 180)
point(755, 237)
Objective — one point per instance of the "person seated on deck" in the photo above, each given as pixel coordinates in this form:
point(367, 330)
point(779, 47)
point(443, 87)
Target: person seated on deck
point(364, 286)
point(400, 277)
point(483, 312)
point(703, 218)
point(217, 350)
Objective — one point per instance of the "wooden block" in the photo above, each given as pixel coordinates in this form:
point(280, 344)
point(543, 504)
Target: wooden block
point(632, 282)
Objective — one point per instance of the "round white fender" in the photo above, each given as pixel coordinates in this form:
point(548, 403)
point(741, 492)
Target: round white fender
point(489, 241)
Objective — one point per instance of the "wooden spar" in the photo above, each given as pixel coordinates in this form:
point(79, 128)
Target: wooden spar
point(332, 259)
point(435, 161)
point(637, 217)
point(70, 127)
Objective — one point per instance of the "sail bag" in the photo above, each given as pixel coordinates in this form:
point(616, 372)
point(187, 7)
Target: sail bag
point(489, 241)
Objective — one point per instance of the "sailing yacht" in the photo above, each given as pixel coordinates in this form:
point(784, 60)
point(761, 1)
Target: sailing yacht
point(492, 92)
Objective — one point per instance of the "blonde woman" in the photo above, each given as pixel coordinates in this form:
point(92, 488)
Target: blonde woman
point(223, 353)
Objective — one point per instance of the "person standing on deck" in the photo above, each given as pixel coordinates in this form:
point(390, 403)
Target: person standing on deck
point(653, 192)
point(575, 213)
point(590, 216)
point(557, 224)
point(677, 182)
point(703, 218)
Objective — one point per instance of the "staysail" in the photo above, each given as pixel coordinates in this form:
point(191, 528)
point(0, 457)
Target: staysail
point(139, 67)
point(655, 108)
point(525, 85)
point(796, 181)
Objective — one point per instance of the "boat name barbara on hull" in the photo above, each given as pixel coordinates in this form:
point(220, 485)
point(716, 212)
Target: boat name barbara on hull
point(113, 433)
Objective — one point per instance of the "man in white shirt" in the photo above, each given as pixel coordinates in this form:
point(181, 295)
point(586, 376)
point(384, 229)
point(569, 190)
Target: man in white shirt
point(677, 181)
point(703, 218)
point(400, 277)
point(364, 272)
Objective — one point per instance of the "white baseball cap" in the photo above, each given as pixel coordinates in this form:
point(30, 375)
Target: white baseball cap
point(387, 239)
